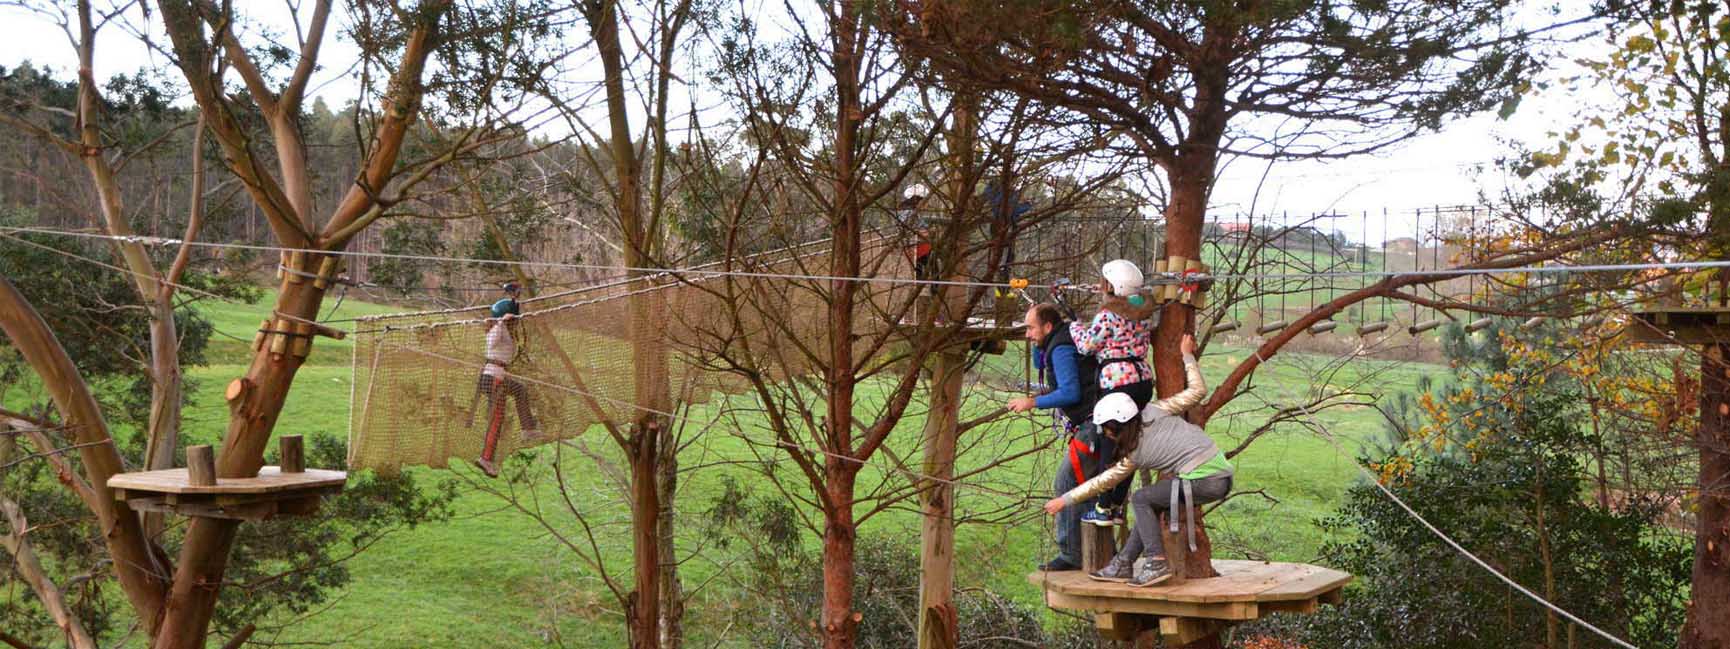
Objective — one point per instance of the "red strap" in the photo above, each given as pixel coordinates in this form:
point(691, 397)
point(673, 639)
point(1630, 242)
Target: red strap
point(1076, 450)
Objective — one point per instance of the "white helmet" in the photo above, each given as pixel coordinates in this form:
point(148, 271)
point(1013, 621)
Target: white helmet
point(916, 190)
point(1114, 408)
point(1124, 276)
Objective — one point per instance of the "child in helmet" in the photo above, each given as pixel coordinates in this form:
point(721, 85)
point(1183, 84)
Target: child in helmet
point(908, 215)
point(1118, 338)
point(1160, 440)
point(503, 329)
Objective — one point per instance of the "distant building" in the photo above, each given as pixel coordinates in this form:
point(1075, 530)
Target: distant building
point(1402, 245)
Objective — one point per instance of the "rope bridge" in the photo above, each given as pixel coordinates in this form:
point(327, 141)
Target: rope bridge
point(418, 399)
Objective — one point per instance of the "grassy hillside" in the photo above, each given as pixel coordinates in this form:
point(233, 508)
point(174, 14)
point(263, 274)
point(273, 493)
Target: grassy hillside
point(495, 577)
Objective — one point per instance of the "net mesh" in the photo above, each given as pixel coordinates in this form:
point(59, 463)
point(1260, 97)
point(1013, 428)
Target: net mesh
point(417, 392)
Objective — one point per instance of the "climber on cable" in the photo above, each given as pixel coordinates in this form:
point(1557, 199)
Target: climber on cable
point(1074, 387)
point(503, 329)
point(1159, 440)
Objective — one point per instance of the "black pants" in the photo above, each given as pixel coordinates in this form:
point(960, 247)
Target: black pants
point(1141, 391)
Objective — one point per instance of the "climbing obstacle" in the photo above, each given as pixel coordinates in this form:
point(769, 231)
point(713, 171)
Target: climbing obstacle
point(287, 490)
point(1680, 325)
point(1184, 612)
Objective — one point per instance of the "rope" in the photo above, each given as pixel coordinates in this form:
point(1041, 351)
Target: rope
point(1314, 425)
point(1157, 278)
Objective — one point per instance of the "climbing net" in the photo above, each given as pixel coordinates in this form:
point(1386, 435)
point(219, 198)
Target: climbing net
point(591, 356)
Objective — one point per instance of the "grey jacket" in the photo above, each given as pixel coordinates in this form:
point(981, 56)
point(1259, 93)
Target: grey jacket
point(1168, 441)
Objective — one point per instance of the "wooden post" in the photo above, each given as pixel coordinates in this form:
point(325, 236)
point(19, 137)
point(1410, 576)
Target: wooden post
point(937, 619)
point(293, 454)
point(200, 465)
point(1098, 545)
point(1176, 549)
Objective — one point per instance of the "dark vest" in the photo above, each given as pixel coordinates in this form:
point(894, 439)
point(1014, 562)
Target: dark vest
point(1086, 371)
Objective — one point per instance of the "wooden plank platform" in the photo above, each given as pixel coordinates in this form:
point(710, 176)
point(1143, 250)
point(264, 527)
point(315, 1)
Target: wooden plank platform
point(270, 479)
point(1245, 590)
point(1684, 325)
point(270, 494)
point(972, 326)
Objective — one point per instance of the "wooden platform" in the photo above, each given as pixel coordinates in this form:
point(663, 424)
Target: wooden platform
point(1684, 325)
point(272, 493)
point(979, 334)
point(1245, 590)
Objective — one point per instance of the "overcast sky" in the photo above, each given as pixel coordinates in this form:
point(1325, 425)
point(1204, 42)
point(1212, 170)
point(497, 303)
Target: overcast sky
point(1452, 167)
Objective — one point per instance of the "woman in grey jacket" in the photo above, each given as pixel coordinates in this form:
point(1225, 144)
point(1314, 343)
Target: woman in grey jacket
point(1162, 442)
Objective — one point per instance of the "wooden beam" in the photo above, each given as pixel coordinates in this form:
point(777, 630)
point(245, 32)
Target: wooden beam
point(1178, 631)
point(1121, 626)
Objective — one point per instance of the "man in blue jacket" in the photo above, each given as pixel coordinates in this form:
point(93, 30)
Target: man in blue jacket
point(1074, 381)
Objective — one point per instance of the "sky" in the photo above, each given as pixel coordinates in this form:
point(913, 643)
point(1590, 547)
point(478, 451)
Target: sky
point(1454, 166)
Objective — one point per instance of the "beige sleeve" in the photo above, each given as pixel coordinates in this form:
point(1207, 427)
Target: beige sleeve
point(1106, 479)
point(1191, 395)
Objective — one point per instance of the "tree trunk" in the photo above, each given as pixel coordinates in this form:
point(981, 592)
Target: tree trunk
point(672, 592)
point(839, 627)
point(165, 396)
point(252, 416)
point(1708, 625)
point(937, 616)
point(15, 539)
point(1551, 627)
point(1190, 173)
point(644, 614)
point(138, 563)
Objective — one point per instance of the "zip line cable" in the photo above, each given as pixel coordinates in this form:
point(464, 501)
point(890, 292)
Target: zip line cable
point(1158, 278)
point(1316, 426)
point(158, 279)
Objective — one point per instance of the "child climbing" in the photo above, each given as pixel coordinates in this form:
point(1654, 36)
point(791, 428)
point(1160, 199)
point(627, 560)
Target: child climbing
point(909, 217)
point(1163, 441)
point(1118, 338)
point(503, 330)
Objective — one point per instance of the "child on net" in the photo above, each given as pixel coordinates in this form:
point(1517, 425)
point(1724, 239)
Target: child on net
point(1159, 440)
point(1118, 337)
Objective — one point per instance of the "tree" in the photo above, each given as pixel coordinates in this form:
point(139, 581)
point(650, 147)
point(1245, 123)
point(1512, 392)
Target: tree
point(1495, 453)
point(174, 601)
point(1190, 84)
point(1660, 146)
point(157, 285)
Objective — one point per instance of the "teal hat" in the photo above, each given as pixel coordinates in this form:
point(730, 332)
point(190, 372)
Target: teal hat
point(506, 306)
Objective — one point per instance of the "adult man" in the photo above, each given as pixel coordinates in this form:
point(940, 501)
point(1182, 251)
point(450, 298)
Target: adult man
point(496, 382)
point(1075, 387)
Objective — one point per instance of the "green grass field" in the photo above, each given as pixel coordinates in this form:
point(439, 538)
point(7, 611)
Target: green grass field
point(493, 576)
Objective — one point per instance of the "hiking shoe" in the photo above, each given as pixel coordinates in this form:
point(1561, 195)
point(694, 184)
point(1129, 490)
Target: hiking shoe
point(1149, 572)
point(533, 435)
point(1100, 517)
point(1059, 564)
point(1119, 570)
point(1116, 514)
point(488, 467)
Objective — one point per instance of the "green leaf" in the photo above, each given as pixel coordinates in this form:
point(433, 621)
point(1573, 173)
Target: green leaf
point(1509, 105)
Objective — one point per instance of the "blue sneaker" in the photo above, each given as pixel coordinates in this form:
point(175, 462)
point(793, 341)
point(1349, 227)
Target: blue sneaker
point(1100, 517)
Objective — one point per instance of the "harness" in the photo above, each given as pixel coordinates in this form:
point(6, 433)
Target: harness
point(1188, 499)
point(1136, 362)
